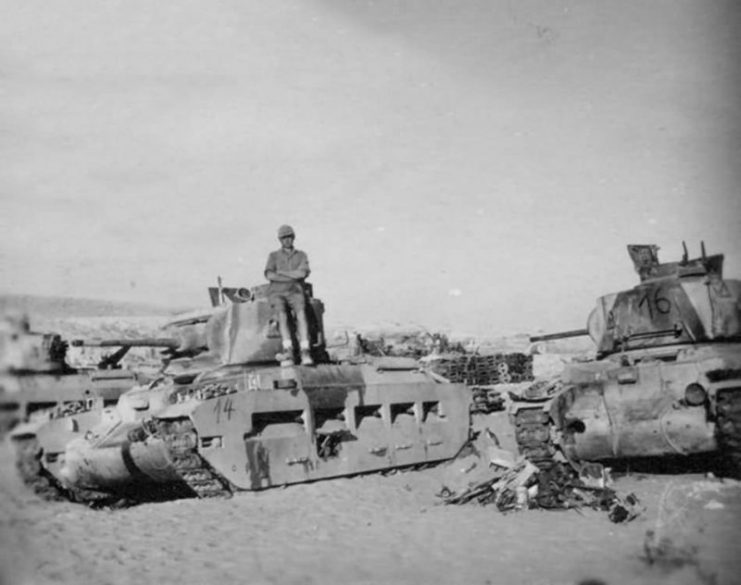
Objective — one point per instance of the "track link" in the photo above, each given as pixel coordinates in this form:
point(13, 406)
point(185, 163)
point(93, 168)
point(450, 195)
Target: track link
point(181, 439)
point(728, 409)
point(533, 435)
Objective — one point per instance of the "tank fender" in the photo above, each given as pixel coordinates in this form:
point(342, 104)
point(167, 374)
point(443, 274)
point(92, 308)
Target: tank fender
point(27, 429)
point(111, 467)
point(393, 363)
point(179, 409)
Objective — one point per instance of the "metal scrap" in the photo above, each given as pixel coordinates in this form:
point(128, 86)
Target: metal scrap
point(486, 400)
point(499, 489)
point(560, 487)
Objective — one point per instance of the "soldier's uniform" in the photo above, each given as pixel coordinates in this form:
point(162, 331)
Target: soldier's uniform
point(287, 269)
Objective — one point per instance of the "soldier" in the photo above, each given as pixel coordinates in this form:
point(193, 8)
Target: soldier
point(286, 269)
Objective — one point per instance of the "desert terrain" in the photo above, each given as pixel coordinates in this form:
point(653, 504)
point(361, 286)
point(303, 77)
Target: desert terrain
point(379, 528)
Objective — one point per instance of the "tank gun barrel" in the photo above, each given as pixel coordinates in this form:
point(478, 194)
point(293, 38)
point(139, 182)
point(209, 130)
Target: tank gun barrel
point(141, 342)
point(113, 360)
point(559, 335)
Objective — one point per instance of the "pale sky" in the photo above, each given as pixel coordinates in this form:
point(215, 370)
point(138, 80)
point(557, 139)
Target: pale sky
point(473, 166)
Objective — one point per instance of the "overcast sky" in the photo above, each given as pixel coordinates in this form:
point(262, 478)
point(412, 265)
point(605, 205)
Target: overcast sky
point(477, 166)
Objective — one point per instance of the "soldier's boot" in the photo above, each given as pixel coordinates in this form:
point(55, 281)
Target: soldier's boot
point(306, 354)
point(286, 358)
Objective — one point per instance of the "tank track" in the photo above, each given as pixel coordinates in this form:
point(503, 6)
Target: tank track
point(728, 409)
point(181, 439)
point(32, 473)
point(533, 436)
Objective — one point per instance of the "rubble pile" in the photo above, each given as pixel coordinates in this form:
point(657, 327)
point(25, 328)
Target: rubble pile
point(476, 369)
point(504, 488)
point(500, 480)
point(418, 344)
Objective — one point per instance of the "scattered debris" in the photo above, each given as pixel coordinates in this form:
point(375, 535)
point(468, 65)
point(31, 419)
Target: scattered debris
point(513, 485)
point(499, 489)
point(594, 475)
point(501, 457)
point(407, 343)
point(486, 400)
point(538, 391)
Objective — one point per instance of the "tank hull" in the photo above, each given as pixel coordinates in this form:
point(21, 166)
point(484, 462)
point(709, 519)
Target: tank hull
point(117, 468)
point(636, 405)
point(23, 395)
point(56, 439)
point(255, 428)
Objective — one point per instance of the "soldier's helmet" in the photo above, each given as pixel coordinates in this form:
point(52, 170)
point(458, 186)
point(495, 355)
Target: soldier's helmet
point(285, 230)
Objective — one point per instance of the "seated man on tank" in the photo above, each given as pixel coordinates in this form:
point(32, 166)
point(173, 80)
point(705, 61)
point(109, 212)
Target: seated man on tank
point(287, 269)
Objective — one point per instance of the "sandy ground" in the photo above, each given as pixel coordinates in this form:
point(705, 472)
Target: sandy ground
point(372, 529)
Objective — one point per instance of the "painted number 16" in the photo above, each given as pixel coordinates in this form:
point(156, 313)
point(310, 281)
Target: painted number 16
point(655, 303)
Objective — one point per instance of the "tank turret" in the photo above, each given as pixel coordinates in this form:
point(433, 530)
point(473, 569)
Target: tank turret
point(23, 351)
point(35, 375)
point(244, 329)
point(685, 302)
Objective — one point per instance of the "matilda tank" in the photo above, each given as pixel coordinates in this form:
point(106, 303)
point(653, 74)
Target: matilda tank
point(54, 406)
point(248, 424)
point(76, 408)
point(37, 381)
point(35, 375)
point(666, 379)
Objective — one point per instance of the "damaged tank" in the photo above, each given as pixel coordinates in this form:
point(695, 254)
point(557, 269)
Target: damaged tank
point(36, 377)
point(666, 379)
point(61, 407)
point(249, 424)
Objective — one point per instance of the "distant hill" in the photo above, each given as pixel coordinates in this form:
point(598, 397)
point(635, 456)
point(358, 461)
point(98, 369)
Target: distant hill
point(48, 307)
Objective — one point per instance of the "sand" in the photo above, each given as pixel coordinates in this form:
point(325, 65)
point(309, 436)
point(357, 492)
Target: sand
point(380, 528)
